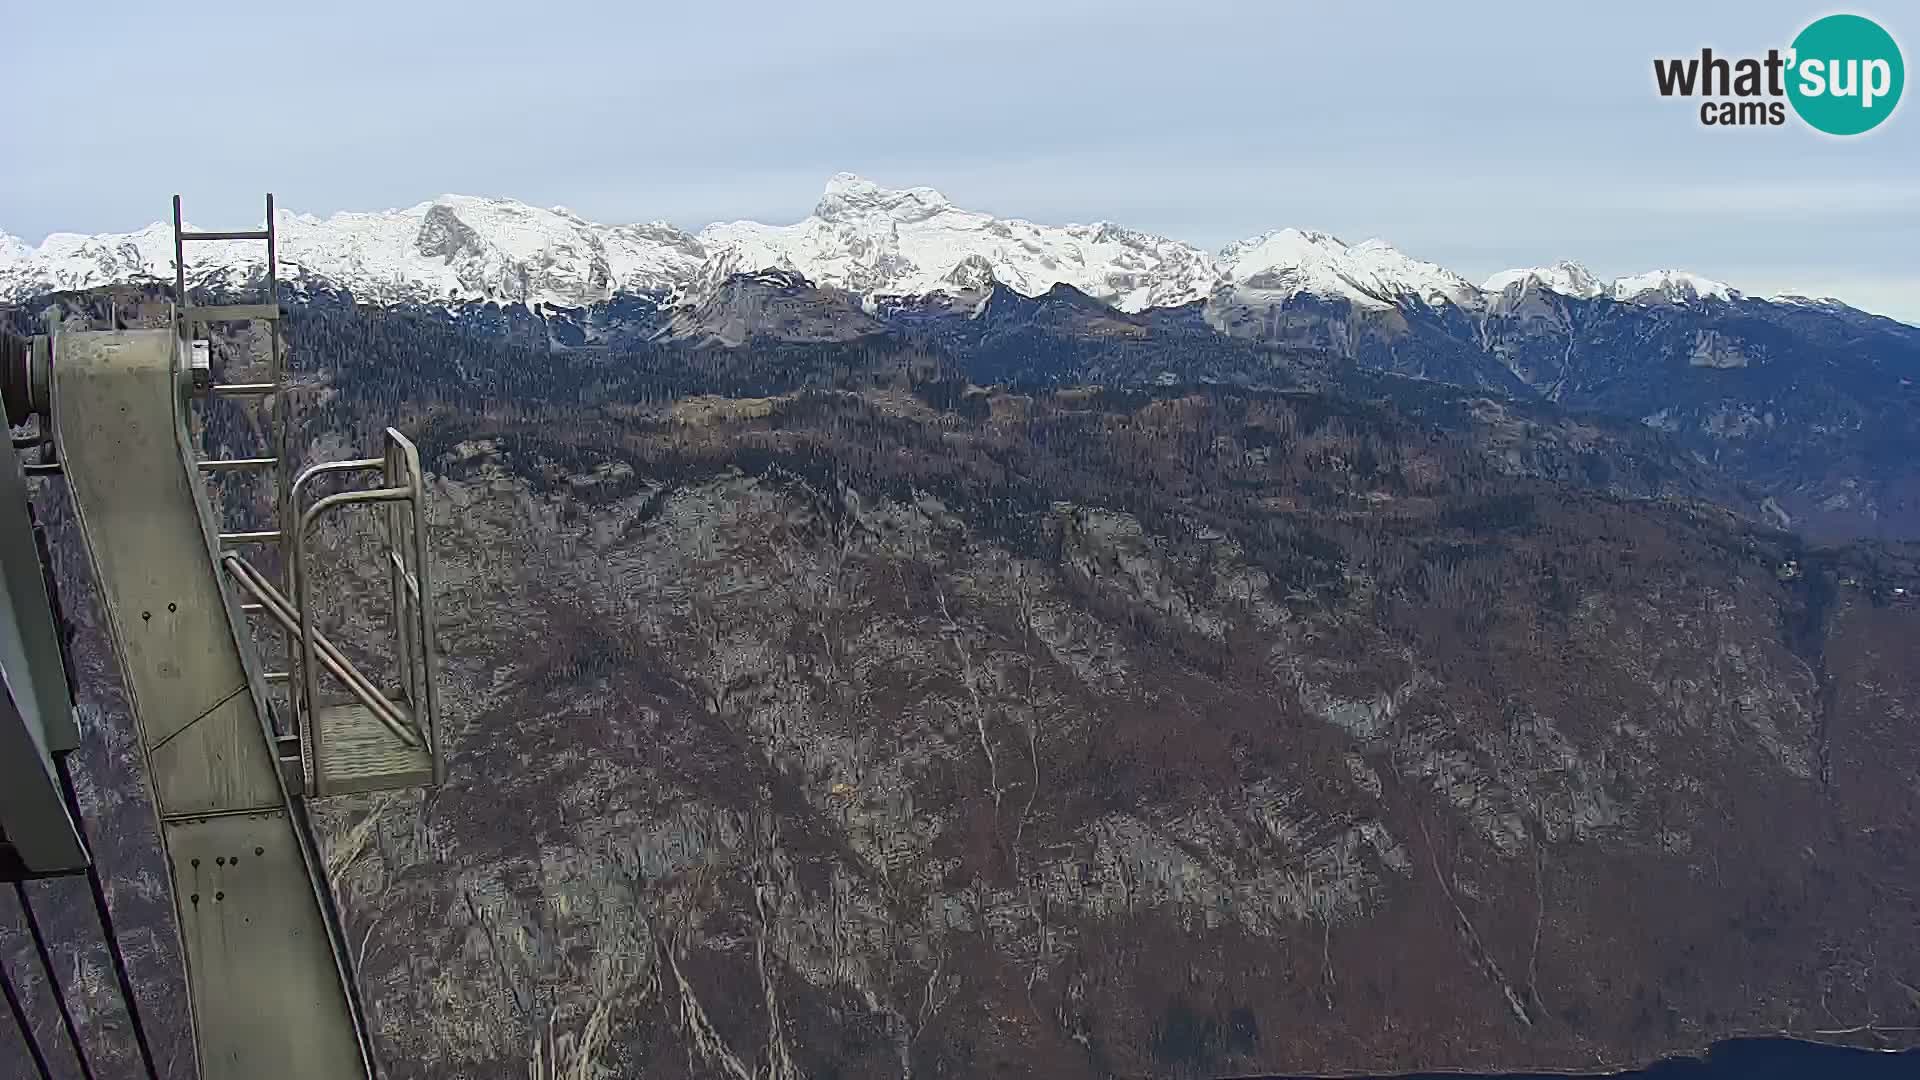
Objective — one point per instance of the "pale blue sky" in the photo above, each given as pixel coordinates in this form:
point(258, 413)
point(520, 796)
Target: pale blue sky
point(1480, 135)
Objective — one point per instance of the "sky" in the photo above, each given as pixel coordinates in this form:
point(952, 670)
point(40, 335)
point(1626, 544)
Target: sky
point(1479, 136)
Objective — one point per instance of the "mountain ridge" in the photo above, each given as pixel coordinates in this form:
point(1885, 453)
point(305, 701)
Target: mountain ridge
point(860, 237)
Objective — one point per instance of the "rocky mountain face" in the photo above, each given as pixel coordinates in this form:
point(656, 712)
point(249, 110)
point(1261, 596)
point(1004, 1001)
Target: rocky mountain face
point(769, 304)
point(819, 712)
point(1809, 401)
point(891, 728)
point(1813, 403)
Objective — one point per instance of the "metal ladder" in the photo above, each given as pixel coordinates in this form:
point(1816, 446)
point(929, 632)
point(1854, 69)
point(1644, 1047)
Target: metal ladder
point(192, 322)
point(375, 738)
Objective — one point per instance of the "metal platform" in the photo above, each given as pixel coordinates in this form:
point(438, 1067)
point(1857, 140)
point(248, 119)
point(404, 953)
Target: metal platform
point(363, 754)
point(374, 739)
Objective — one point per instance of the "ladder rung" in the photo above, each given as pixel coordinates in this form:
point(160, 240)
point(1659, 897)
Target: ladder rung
point(232, 234)
point(277, 676)
point(248, 607)
point(229, 312)
point(237, 464)
point(244, 389)
point(47, 469)
point(265, 536)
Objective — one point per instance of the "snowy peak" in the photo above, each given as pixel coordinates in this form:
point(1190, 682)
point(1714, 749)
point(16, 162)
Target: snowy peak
point(1566, 277)
point(1572, 279)
point(12, 250)
point(1371, 274)
point(453, 248)
point(1279, 249)
point(878, 241)
point(1670, 286)
point(851, 198)
point(873, 241)
point(464, 247)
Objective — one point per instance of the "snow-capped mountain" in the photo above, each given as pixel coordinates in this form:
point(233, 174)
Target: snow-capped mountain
point(1572, 279)
point(454, 248)
point(463, 248)
point(1565, 277)
point(12, 250)
point(872, 241)
point(1371, 274)
point(879, 242)
point(1670, 286)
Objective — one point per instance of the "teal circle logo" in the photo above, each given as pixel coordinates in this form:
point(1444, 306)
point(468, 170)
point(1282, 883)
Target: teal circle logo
point(1846, 74)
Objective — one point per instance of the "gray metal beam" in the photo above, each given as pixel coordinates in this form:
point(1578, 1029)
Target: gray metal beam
point(271, 991)
point(36, 715)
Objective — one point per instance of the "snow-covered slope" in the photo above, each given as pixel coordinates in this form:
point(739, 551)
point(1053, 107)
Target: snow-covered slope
point(869, 240)
point(879, 242)
point(1565, 277)
point(453, 248)
point(12, 250)
point(1654, 287)
point(1370, 274)
point(1671, 286)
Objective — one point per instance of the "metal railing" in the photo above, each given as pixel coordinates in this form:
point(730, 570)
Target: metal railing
point(412, 713)
point(412, 603)
point(329, 654)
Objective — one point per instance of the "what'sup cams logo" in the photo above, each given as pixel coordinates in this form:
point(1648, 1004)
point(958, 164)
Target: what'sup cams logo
point(1842, 75)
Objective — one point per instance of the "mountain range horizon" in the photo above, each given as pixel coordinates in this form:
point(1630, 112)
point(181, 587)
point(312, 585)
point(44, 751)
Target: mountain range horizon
point(861, 237)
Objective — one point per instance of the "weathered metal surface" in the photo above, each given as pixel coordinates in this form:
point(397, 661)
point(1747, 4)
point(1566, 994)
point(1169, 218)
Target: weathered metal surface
point(363, 754)
point(269, 997)
point(265, 1003)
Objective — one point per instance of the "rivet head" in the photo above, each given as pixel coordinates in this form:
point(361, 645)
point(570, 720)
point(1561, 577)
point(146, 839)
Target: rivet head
point(221, 861)
point(195, 898)
point(220, 896)
point(196, 862)
point(259, 851)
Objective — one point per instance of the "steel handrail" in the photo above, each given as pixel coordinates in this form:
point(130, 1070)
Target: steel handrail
point(295, 687)
point(303, 581)
point(414, 622)
point(330, 655)
point(400, 446)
